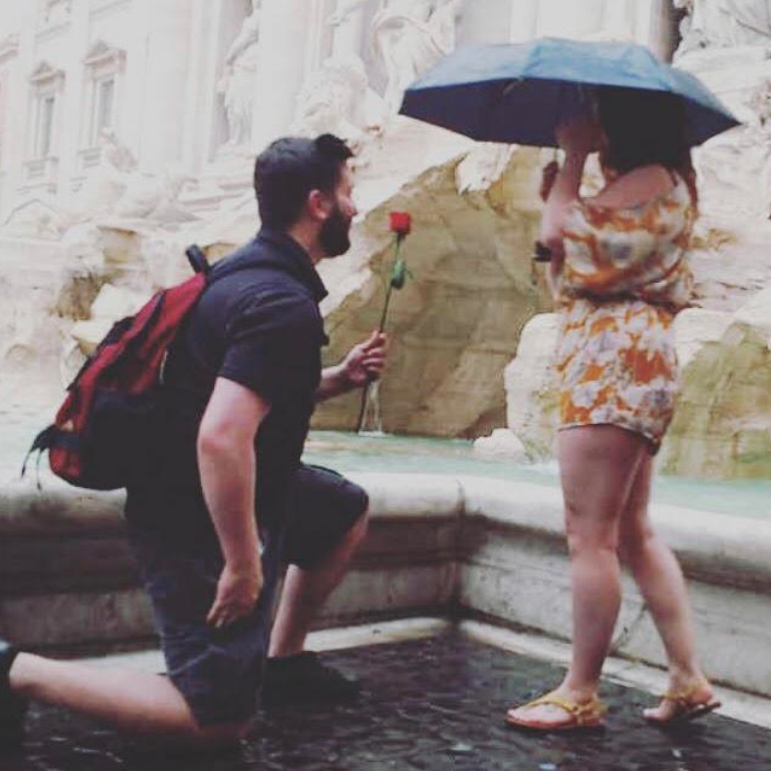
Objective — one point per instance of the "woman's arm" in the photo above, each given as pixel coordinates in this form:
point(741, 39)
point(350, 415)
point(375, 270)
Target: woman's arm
point(577, 138)
point(564, 192)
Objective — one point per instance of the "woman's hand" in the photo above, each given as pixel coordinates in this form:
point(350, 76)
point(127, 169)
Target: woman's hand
point(579, 135)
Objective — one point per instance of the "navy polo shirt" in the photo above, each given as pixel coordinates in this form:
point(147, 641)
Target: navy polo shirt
point(257, 324)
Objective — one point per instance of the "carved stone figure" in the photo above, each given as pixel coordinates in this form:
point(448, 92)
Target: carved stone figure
point(337, 99)
point(116, 188)
point(117, 154)
point(155, 198)
point(749, 22)
point(237, 83)
point(34, 218)
point(759, 136)
point(56, 11)
point(724, 23)
point(408, 36)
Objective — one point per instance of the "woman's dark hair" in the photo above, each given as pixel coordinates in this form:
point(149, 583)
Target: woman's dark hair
point(642, 128)
point(289, 168)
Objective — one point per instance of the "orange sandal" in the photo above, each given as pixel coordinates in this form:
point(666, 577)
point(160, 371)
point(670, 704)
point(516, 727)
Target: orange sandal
point(685, 708)
point(579, 717)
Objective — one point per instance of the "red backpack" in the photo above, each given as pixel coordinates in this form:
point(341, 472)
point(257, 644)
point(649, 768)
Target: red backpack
point(101, 431)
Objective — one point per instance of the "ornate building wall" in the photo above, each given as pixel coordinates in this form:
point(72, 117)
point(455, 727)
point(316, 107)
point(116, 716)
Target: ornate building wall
point(198, 86)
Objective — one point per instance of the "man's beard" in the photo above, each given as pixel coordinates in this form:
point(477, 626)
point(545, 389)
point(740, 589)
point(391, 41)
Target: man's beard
point(334, 234)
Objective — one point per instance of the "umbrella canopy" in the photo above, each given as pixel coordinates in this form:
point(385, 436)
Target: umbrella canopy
point(519, 93)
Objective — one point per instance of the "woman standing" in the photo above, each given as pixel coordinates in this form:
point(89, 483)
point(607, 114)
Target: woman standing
point(619, 274)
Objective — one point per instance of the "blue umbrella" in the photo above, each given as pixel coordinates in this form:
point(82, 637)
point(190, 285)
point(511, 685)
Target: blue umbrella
point(519, 93)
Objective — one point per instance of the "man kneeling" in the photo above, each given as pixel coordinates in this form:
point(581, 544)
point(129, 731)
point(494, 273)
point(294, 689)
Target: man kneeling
point(228, 502)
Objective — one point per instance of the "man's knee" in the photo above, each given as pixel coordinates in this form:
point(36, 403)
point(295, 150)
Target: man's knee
point(358, 532)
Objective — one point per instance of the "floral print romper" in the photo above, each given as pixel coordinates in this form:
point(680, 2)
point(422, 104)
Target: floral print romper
point(624, 277)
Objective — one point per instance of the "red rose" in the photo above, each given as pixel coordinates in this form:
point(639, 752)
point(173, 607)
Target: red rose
point(401, 223)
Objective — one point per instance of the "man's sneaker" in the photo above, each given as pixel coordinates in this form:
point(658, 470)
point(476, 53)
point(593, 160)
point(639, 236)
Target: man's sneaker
point(303, 677)
point(13, 708)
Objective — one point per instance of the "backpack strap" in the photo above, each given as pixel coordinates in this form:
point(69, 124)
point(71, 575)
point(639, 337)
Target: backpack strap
point(197, 259)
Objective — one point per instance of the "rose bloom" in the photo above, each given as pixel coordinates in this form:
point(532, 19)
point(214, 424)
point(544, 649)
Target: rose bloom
point(401, 223)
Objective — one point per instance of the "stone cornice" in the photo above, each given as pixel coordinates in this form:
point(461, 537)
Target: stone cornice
point(101, 8)
point(9, 47)
point(102, 55)
point(44, 74)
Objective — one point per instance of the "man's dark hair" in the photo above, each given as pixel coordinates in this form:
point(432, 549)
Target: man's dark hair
point(289, 168)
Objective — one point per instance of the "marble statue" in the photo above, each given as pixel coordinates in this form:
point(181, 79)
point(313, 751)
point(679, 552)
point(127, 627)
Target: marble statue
point(759, 136)
point(408, 36)
point(337, 99)
point(56, 11)
point(155, 198)
point(118, 189)
point(724, 23)
point(237, 83)
point(117, 155)
point(749, 22)
point(106, 184)
point(36, 218)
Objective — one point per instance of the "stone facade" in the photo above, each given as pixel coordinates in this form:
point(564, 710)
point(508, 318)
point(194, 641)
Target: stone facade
point(722, 425)
point(128, 130)
point(193, 83)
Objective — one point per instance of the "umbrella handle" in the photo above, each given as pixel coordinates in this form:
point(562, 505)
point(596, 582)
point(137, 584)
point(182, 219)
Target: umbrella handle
point(542, 252)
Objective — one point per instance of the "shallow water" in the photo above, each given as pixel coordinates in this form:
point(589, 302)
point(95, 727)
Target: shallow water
point(435, 705)
point(399, 454)
point(369, 452)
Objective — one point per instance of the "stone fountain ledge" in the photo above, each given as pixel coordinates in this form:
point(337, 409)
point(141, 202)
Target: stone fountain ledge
point(438, 545)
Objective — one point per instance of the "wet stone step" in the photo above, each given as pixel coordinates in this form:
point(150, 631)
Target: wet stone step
point(435, 705)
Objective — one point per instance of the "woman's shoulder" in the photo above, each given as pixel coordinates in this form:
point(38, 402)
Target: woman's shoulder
point(636, 188)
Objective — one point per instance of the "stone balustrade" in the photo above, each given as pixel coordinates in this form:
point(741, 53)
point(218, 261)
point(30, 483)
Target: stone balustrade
point(441, 545)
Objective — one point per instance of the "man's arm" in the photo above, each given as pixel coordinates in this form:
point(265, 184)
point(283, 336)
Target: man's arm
point(363, 364)
point(227, 464)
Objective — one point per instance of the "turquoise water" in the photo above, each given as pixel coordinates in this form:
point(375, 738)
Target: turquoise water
point(369, 452)
point(405, 455)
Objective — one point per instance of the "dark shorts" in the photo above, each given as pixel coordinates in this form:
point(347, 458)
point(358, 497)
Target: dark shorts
point(219, 671)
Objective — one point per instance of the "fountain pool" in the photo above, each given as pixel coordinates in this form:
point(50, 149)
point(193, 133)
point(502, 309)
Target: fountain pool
point(400, 454)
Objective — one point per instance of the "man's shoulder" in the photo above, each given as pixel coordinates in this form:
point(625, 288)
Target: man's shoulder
point(253, 288)
point(258, 264)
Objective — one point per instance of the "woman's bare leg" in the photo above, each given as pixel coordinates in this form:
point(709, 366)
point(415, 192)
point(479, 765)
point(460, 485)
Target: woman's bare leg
point(661, 583)
point(598, 465)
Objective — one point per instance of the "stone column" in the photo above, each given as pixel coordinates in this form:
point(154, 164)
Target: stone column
point(657, 26)
point(349, 36)
point(17, 148)
point(524, 20)
point(201, 83)
point(618, 19)
point(11, 105)
point(487, 22)
point(72, 102)
point(281, 68)
point(576, 19)
point(168, 57)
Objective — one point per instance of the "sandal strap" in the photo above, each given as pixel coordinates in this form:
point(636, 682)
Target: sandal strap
point(582, 712)
point(683, 696)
